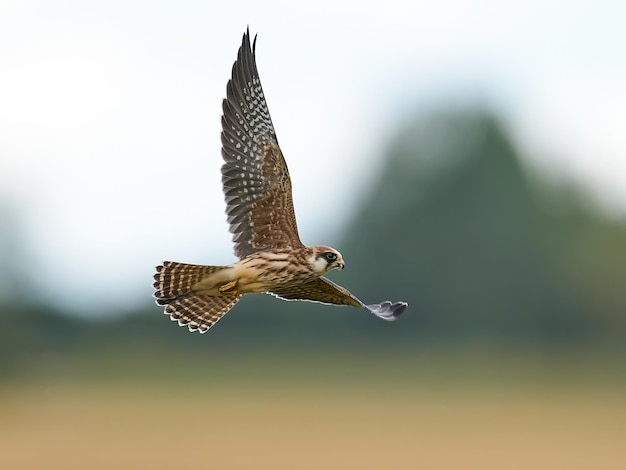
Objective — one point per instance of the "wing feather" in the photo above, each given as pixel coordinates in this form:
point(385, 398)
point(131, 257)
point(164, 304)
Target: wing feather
point(319, 290)
point(257, 186)
point(327, 292)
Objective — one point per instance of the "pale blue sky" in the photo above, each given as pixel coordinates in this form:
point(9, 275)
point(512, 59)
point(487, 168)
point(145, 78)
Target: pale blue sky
point(110, 114)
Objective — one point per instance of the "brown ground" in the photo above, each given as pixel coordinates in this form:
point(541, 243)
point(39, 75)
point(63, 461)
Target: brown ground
point(254, 426)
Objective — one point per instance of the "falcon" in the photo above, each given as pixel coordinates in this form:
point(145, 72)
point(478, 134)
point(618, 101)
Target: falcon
point(259, 209)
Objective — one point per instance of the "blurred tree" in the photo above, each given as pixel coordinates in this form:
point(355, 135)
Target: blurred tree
point(590, 254)
point(12, 254)
point(454, 228)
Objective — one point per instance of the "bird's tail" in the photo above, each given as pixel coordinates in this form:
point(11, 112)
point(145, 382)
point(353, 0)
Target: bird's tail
point(174, 283)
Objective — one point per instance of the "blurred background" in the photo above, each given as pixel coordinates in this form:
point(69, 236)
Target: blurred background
point(465, 156)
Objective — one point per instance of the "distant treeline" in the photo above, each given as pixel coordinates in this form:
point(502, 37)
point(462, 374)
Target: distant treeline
point(483, 250)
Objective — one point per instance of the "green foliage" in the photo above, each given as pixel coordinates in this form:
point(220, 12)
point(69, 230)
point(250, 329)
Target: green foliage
point(456, 227)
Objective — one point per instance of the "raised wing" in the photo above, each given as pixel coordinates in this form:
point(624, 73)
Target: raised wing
point(327, 292)
point(256, 181)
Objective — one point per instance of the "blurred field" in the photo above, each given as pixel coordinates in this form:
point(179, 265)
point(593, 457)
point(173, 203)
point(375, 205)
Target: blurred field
point(312, 416)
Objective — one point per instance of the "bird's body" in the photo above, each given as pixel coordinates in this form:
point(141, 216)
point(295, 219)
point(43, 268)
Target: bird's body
point(257, 189)
point(263, 272)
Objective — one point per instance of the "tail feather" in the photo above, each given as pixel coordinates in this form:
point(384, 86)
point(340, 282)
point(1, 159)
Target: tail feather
point(173, 284)
point(174, 279)
point(198, 312)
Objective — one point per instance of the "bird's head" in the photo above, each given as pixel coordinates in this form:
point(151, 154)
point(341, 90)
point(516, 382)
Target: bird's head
point(325, 258)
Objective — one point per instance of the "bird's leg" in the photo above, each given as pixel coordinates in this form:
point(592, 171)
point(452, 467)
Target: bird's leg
point(229, 288)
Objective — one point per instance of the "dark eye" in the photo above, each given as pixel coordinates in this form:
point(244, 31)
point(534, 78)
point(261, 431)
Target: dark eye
point(330, 257)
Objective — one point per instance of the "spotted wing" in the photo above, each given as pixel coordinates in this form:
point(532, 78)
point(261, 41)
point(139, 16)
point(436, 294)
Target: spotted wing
point(257, 186)
point(327, 292)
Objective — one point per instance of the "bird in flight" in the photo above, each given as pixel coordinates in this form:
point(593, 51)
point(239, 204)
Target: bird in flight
point(259, 209)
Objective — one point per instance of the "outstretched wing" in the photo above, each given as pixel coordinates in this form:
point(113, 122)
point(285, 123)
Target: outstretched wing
point(256, 181)
point(327, 292)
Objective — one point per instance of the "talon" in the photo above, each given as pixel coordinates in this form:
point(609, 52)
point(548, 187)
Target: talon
point(228, 288)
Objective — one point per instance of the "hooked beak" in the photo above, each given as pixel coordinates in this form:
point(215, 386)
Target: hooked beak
point(340, 266)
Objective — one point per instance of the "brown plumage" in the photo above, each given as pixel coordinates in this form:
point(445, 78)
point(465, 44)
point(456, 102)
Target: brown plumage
point(259, 209)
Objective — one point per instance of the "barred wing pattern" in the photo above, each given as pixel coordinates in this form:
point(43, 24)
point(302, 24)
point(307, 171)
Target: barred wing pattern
point(325, 291)
point(257, 186)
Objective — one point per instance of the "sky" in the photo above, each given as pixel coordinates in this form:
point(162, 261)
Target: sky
point(110, 115)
